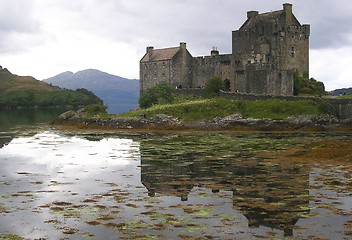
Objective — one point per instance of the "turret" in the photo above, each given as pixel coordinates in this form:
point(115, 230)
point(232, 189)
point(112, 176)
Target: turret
point(288, 13)
point(252, 14)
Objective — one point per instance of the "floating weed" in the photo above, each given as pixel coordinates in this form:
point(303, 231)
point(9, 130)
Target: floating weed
point(93, 223)
point(196, 228)
point(68, 213)
point(69, 231)
point(55, 183)
point(88, 235)
point(204, 195)
point(134, 225)
point(62, 203)
point(204, 212)
point(226, 218)
point(4, 209)
point(11, 237)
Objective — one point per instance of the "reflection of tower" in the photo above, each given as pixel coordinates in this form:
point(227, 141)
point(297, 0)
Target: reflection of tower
point(275, 197)
point(268, 194)
point(170, 179)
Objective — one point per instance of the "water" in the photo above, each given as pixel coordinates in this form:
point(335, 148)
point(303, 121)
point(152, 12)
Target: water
point(61, 185)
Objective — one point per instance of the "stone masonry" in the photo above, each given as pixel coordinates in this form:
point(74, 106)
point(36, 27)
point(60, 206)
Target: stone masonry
point(266, 50)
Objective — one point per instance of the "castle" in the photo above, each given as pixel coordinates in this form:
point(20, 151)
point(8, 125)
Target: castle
point(266, 51)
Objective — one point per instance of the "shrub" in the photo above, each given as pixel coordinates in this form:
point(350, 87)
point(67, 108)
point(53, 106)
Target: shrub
point(213, 86)
point(95, 109)
point(160, 93)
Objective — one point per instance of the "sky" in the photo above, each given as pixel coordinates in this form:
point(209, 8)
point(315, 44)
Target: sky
point(42, 38)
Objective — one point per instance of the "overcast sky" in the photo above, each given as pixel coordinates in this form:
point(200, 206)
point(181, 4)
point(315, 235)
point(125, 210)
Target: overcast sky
point(42, 38)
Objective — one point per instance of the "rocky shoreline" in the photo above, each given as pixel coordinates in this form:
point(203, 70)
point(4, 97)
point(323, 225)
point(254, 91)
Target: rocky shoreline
point(78, 119)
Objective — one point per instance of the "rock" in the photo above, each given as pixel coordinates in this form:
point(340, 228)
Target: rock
point(313, 119)
point(166, 119)
point(67, 115)
point(229, 119)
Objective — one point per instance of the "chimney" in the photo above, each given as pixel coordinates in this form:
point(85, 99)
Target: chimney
point(214, 51)
point(183, 45)
point(288, 13)
point(252, 14)
point(150, 49)
point(150, 52)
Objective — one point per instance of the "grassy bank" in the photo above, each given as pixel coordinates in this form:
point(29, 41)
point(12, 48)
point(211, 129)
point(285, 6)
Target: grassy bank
point(208, 108)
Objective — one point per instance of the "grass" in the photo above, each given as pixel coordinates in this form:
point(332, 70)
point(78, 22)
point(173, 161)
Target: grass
point(197, 108)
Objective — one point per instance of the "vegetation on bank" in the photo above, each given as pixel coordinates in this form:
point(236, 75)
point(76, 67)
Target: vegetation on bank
point(165, 101)
point(197, 108)
point(27, 92)
point(303, 85)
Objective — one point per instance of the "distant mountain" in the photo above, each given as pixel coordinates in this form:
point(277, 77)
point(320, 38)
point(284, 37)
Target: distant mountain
point(27, 92)
point(342, 91)
point(120, 94)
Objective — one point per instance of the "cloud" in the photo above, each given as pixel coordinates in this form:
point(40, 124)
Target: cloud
point(18, 28)
point(332, 66)
point(47, 37)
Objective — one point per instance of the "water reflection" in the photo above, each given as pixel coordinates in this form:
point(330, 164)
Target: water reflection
point(268, 194)
point(171, 186)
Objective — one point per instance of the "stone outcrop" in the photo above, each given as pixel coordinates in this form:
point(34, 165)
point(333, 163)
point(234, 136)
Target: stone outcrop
point(232, 122)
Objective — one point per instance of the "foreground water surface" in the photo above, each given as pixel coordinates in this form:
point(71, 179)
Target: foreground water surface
point(59, 185)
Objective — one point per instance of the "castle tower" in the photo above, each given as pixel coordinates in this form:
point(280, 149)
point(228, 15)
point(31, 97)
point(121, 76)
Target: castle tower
point(267, 49)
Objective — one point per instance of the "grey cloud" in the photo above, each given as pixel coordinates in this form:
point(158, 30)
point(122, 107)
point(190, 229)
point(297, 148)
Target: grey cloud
point(16, 20)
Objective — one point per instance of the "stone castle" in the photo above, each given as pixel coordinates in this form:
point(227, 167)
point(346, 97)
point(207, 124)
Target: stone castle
point(266, 51)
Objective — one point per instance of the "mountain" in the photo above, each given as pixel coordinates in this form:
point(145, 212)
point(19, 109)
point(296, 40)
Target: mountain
point(27, 92)
point(342, 91)
point(120, 94)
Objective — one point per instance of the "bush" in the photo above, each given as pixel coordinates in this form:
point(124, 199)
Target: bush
point(213, 86)
point(95, 109)
point(160, 93)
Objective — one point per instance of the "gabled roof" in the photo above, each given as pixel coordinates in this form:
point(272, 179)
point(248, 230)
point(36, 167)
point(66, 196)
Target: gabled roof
point(160, 54)
point(269, 17)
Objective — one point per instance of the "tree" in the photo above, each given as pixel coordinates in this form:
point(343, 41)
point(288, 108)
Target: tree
point(297, 84)
point(160, 93)
point(213, 86)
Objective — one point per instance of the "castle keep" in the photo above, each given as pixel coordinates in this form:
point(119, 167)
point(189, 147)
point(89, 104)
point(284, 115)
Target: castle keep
point(266, 51)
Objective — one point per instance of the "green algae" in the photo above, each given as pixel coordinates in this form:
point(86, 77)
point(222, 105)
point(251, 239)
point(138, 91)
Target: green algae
point(12, 237)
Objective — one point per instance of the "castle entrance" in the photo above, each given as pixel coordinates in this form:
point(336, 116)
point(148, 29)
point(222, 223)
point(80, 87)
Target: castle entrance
point(227, 85)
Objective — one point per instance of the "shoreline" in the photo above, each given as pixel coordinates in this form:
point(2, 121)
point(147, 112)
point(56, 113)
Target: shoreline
point(236, 123)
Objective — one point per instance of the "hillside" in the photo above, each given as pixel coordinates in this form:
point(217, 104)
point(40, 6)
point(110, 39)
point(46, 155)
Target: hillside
point(120, 94)
point(25, 91)
point(342, 91)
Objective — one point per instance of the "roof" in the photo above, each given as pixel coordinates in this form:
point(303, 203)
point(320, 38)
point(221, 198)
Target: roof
point(269, 17)
point(161, 54)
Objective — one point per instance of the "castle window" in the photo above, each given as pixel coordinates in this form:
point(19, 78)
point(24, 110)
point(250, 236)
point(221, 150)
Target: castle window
point(280, 76)
point(293, 52)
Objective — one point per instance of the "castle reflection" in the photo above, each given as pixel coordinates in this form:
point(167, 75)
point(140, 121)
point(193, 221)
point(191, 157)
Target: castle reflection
point(268, 192)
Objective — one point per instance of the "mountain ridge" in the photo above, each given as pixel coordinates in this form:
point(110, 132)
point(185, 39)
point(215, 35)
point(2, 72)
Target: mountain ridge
point(28, 92)
point(120, 94)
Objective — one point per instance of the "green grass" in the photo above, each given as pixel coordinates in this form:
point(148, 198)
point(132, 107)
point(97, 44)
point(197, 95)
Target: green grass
point(209, 108)
point(346, 96)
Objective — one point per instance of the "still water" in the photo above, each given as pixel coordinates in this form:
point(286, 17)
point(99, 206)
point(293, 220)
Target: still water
point(91, 185)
